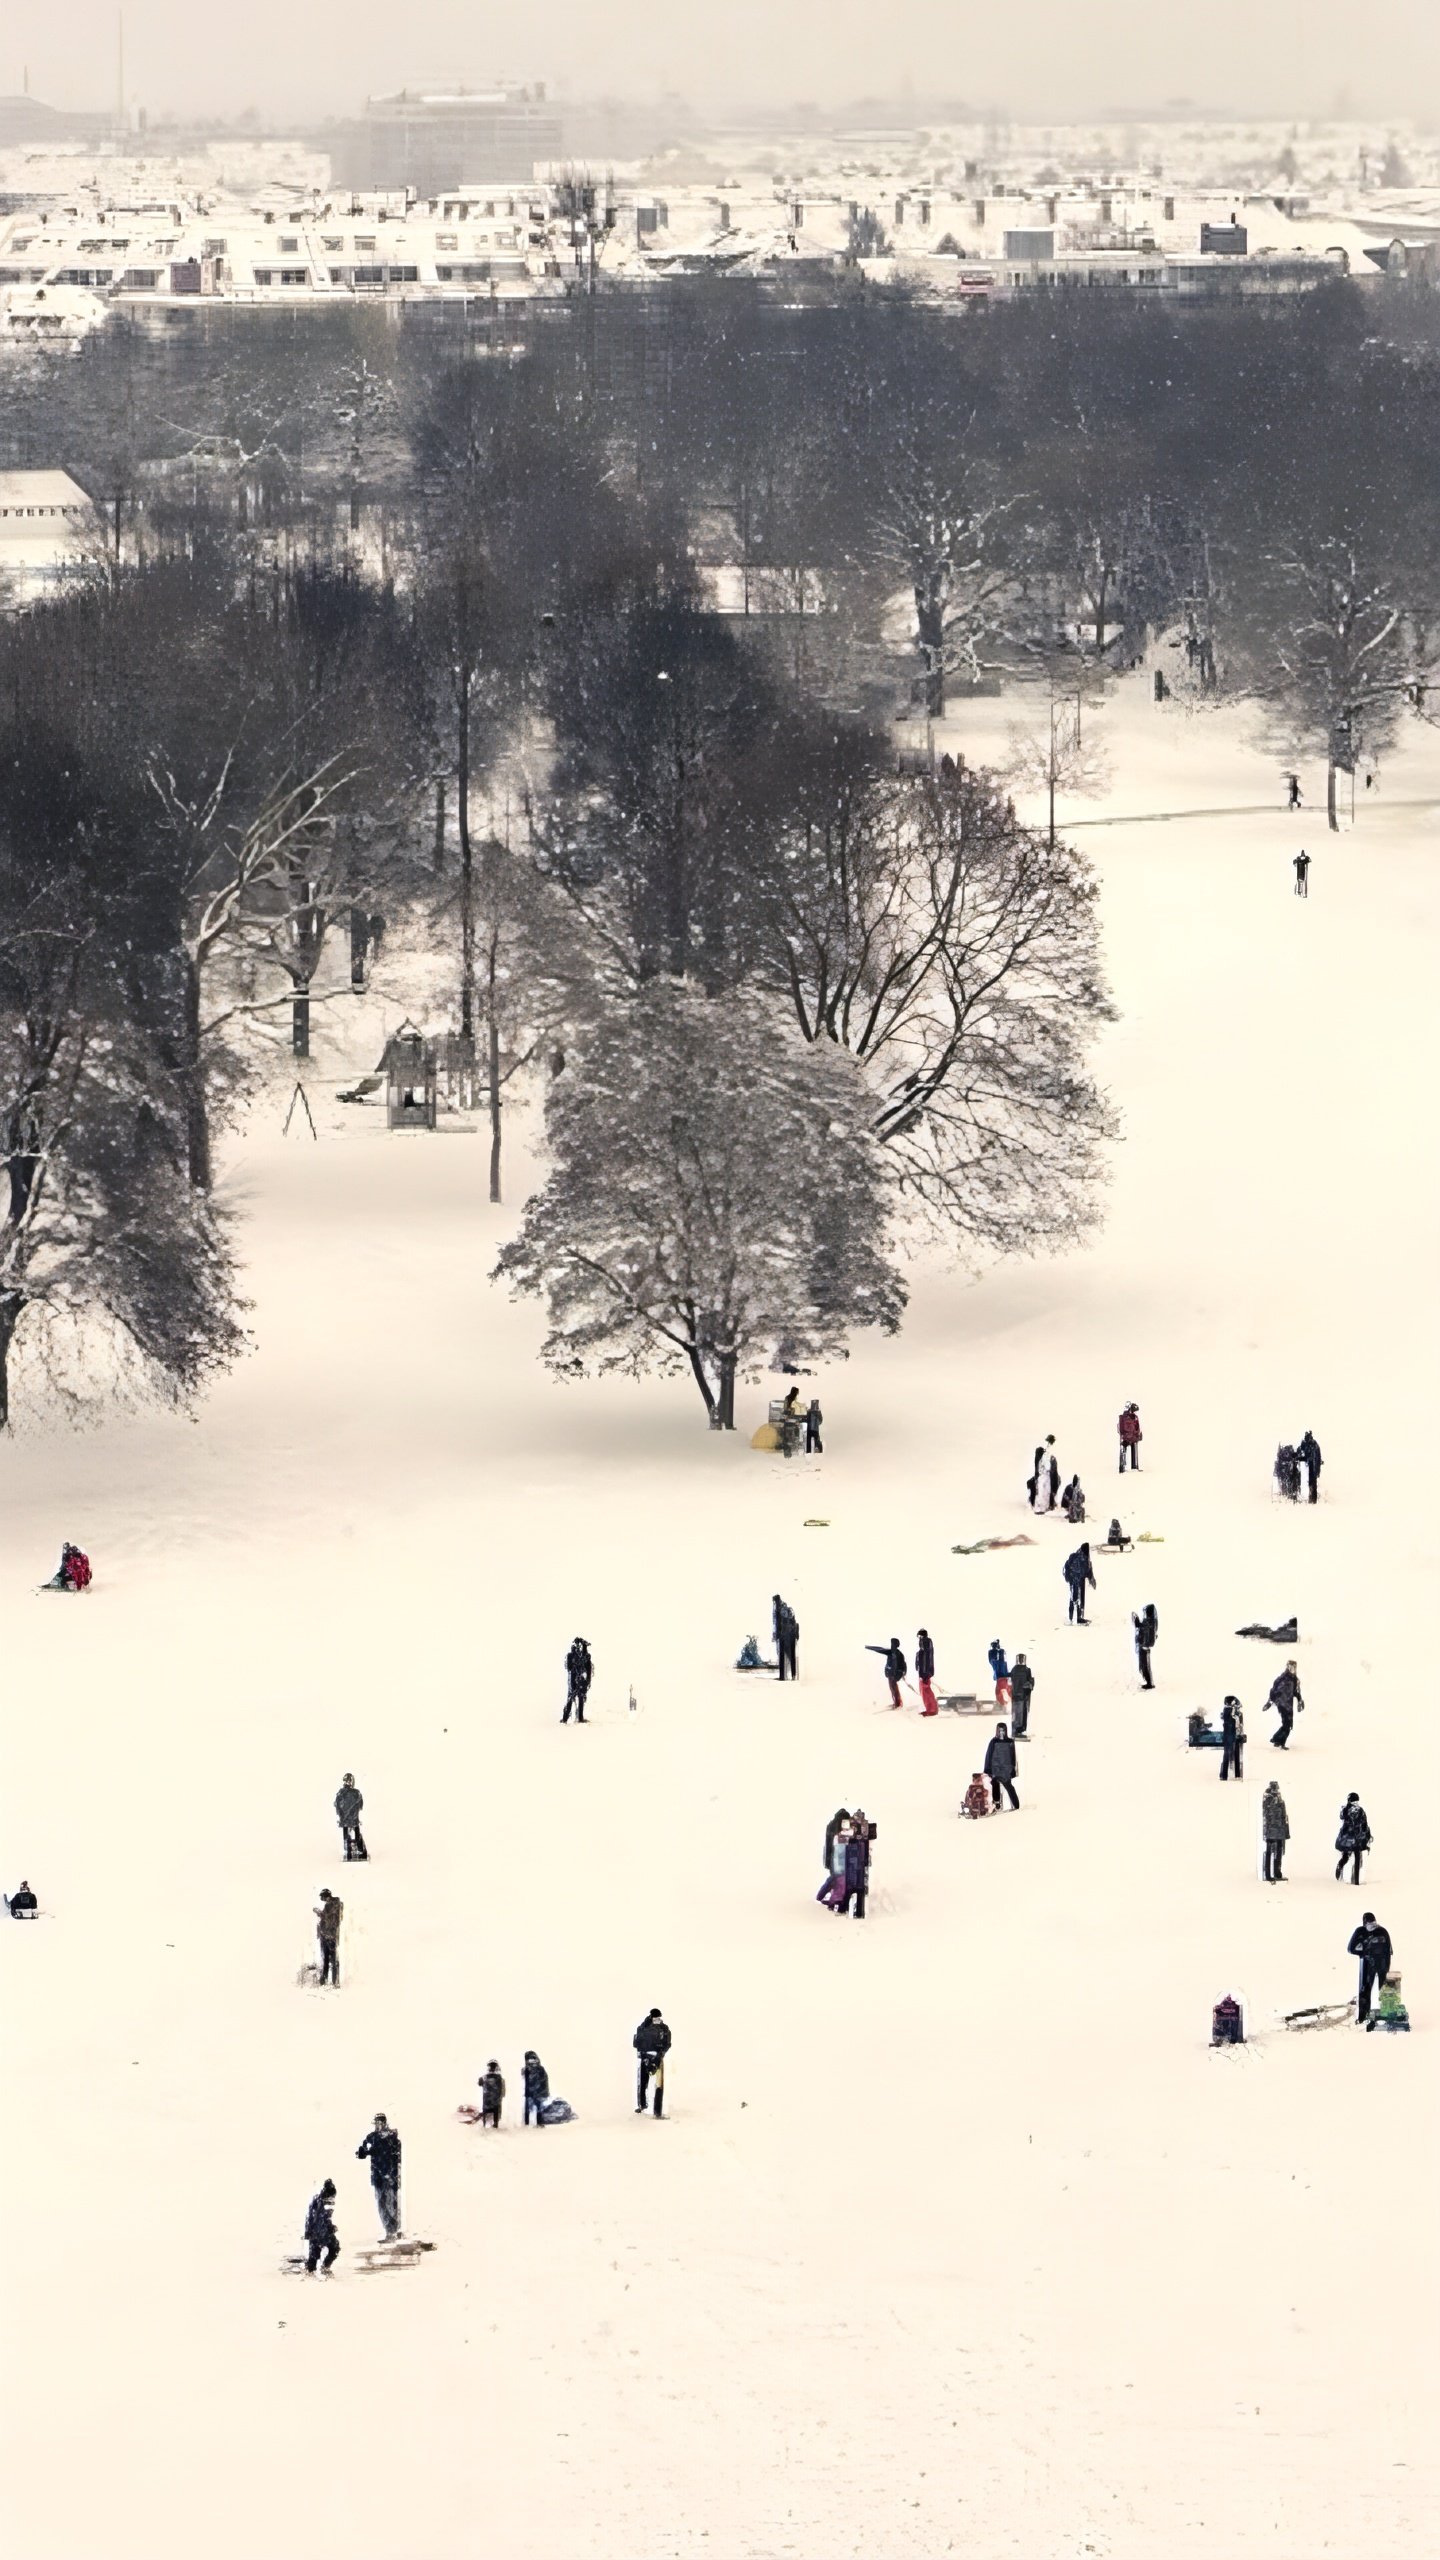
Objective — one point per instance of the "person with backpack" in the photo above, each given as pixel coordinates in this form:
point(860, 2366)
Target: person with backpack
point(1353, 1838)
point(1371, 1943)
point(925, 1672)
point(1275, 1830)
point(1286, 1702)
point(537, 2087)
point(651, 2041)
point(1000, 1767)
point(1308, 1453)
point(1232, 1739)
point(1147, 1628)
point(999, 1673)
point(579, 1672)
point(1022, 1690)
point(321, 2237)
point(1130, 1438)
point(349, 1805)
point(1079, 1576)
point(381, 2147)
point(895, 1666)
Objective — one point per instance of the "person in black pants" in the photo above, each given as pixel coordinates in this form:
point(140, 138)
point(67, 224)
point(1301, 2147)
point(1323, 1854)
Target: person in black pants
point(579, 1672)
point(349, 1805)
point(537, 2087)
point(857, 1864)
point(329, 1913)
point(787, 1637)
point(1308, 1453)
point(1371, 1943)
point(652, 2042)
point(1285, 1698)
point(381, 2147)
point(1232, 1730)
point(1022, 1690)
point(1147, 1628)
point(321, 2238)
point(1000, 1767)
point(1353, 1838)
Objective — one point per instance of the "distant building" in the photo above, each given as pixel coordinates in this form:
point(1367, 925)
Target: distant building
point(429, 143)
point(28, 120)
point(1026, 246)
point(1224, 240)
point(48, 532)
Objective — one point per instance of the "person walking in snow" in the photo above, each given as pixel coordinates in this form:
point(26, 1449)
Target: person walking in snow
point(814, 1445)
point(492, 2096)
point(1147, 1628)
point(1022, 1690)
point(1308, 1453)
point(1295, 801)
point(1353, 1837)
point(925, 1672)
point(381, 2147)
point(537, 2087)
point(1371, 1943)
point(1286, 1700)
point(1302, 875)
point(1000, 1767)
point(329, 1912)
point(1275, 1830)
point(1079, 1576)
point(999, 1673)
point(651, 2041)
point(349, 1805)
point(895, 1666)
point(857, 1864)
point(785, 1627)
point(1232, 1739)
point(579, 1672)
point(1130, 1437)
point(321, 2237)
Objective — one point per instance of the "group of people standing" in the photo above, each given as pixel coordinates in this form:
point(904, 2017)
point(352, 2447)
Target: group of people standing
point(846, 1882)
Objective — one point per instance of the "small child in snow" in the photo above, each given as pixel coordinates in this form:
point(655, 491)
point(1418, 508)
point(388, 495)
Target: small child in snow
point(999, 1673)
point(1394, 2017)
point(492, 2095)
point(977, 1798)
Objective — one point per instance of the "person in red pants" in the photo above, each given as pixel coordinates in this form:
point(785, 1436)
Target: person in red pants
point(925, 1673)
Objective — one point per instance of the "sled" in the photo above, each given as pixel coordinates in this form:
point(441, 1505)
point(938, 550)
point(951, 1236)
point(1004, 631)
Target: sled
point(983, 1546)
point(392, 2253)
point(471, 2115)
point(959, 1702)
point(1326, 2013)
point(815, 1524)
point(1287, 1633)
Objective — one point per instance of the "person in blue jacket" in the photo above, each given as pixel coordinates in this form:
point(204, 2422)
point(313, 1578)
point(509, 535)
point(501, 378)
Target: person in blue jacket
point(999, 1673)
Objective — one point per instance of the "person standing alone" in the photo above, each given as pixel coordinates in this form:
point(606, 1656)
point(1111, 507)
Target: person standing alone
point(1275, 1827)
point(786, 1627)
point(1352, 1839)
point(1079, 1574)
point(349, 1805)
point(1285, 1698)
point(1130, 1438)
point(579, 1672)
point(1302, 875)
point(329, 1913)
point(1232, 1732)
point(652, 2042)
point(1147, 1628)
point(381, 2147)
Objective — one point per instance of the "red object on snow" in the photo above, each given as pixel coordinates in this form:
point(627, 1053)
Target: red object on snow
point(1130, 1425)
point(77, 1570)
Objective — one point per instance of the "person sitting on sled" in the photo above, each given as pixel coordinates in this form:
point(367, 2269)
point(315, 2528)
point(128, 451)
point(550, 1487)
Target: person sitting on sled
point(74, 1572)
point(21, 1904)
point(977, 1798)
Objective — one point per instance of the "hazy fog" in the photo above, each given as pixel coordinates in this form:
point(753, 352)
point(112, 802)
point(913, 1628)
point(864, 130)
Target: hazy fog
point(1038, 57)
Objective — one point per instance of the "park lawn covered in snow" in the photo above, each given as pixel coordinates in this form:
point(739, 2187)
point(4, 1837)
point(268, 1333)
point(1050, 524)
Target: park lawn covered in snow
point(958, 2237)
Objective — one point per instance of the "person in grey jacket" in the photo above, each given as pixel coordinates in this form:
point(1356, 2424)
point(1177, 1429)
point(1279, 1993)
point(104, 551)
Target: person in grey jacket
point(1275, 1829)
point(1000, 1767)
point(1022, 1690)
point(349, 1805)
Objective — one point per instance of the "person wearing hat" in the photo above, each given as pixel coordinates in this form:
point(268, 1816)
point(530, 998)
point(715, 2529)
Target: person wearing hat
point(492, 2094)
point(1130, 1437)
point(651, 2041)
point(1000, 1767)
point(1371, 1943)
point(321, 2237)
point(381, 2147)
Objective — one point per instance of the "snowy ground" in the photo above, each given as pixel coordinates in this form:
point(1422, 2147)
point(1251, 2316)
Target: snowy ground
point(958, 2237)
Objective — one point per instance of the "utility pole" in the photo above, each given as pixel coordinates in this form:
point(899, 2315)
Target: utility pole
point(120, 71)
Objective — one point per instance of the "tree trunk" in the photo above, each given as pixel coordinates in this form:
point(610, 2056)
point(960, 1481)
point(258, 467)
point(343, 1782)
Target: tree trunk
point(12, 1307)
point(727, 1390)
point(300, 1020)
point(359, 945)
point(930, 629)
point(192, 1076)
point(467, 862)
point(1332, 817)
point(702, 1382)
point(440, 822)
point(494, 1078)
point(1052, 805)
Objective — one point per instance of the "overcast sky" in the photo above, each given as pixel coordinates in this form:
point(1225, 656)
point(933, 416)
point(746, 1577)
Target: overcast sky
point(1045, 58)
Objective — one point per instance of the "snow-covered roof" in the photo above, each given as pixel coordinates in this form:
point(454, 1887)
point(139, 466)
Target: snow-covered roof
point(28, 493)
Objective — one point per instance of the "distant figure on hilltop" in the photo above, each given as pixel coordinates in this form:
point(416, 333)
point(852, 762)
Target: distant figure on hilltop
point(1295, 801)
point(579, 1672)
point(1130, 1437)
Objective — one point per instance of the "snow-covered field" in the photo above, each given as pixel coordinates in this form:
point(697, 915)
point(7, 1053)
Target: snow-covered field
point(958, 2237)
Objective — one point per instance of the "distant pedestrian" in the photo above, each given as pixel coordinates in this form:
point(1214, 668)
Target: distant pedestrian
point(1045, 1481)
point(925, 1672)
point(1275, 1829)
point(1308, 1453)
point(786, 1629)
point(492, 2095)
point(381, 2147)
point(857, 1864)
point(1130, 1437)
point(1147, 1628)
point(651, 2041)
point(1352, 1839)
point(1232, 1739)
point(1293, 780)
point(814, 1446)
point(329, 1912)
point(1371, 1943)
point(537, 2088)
point(322, 2241)
point(895, 1666)
point(1072, 1503)
point(1286, 1701)
point(1000, 1673)
point(1000, 1767)
point(1079, 1576)
point(579, 1672)
point(1022, 1690)
point(1302, 875)
point(349, 1805)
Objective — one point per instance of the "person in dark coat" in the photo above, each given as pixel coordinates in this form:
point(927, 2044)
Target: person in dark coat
point(1232, 1744)
point(381, 2147)
point(1275, 1831)
point(1371, 1943)
point(1308, 1453)
point(1287, 1471)
point(349, 1805)
point(321, 2238)
point(537, 2087)
point(1022, 1690)
point(1147, 1628)
point(895, 1666)
point(786, 1627)
point(831, 1827)
point(1131, 1436)
point(652, 2042)
point(857, 1864)
point(579, 1672)
point(1285, 1698)
point(925, 1672)
point(814, 1445)
point(1079, 1574)
point(1353, 1837)
point(1301, 868)
point(21, 1904)
point(492, 2095)
point(329, 1913)
point(1000, 1767)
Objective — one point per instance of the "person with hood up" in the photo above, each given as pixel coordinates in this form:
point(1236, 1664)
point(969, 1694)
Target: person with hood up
point(73, 1572)
point(1130, 1438)
point(1022, 1690)
point(321, 2238)
point(579, 1672)
point(1079, 1576)
point(537, 2087)
point(1287, 1471)
point(1371, 1943)
point(381, 2147)
point(1275, 1830)
point(1232, 1730)
point(1286, 1700)
point(349, 1805)
point(1000, 1767)
point(977, 1800)
point(925, 1672)
point(999, 1672)
point(651, 2041)
point(1353, 1837)
point(895, 1666)
point(1147, 1628)
point(1308, 1453)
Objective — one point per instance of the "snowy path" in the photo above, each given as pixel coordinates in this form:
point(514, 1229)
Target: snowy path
point(958, 2238)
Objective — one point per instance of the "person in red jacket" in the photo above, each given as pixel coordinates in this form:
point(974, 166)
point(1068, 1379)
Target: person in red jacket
point(1130, 1437)
point(74, 1572)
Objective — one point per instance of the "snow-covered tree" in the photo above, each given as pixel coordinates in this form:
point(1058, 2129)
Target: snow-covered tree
point(715, 1191)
